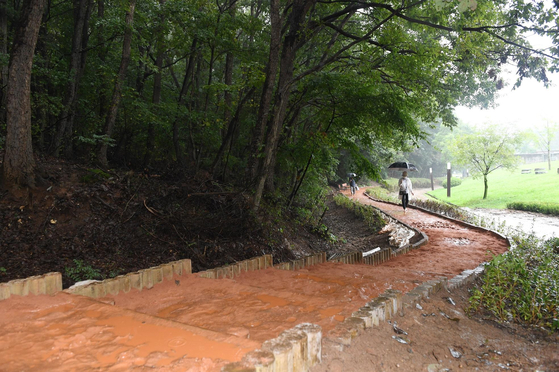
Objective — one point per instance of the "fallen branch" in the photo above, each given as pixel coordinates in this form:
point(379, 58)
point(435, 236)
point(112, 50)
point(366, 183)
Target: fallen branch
point(98, 198)
point(213, 193)
point(156, 237)
point(151, 210)
point(126, 207)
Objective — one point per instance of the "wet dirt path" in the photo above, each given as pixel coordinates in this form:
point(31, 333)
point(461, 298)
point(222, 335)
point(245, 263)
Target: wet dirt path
point(198, 324)
point(452, 245)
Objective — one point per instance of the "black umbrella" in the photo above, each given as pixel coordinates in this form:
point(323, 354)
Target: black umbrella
point(402, 166)
point(351, 175)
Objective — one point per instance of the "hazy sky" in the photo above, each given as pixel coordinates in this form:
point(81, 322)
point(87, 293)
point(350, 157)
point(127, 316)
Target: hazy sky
point(527, 107)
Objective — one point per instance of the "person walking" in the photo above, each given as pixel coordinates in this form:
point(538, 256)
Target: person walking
point(353, 186)
point(406, 188)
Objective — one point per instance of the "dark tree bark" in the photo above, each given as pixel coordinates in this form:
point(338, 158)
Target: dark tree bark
point(18, 169)
point(267, 90)
point(184, 89)
point(3, 50)
point(102, 53)
point(232, 128)
point(82, 12)
point(156, 98)
point(291, 44)
point(115, 102)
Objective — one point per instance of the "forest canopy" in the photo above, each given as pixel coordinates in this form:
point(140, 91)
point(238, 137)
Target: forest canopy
point(272, 96)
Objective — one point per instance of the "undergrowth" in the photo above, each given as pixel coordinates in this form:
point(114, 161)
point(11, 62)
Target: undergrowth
point(391, 184)
point(539, 207)
point(371, 216)
point(454, 181)
point(522, 285)
point(81, 271)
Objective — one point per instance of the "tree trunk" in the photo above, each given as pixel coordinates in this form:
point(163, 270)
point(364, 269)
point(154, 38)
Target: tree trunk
point(113, 109)
point(19, 165)
point(485, 186)
point(82, 11)
point(102, 53)
point(231, 130)
point(267, 91)
point(185, 86)
point(290, 46)
point(156, 98)
point(3, 50)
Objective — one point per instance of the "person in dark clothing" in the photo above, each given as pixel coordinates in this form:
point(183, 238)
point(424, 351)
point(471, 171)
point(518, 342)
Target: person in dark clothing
point(353, 186)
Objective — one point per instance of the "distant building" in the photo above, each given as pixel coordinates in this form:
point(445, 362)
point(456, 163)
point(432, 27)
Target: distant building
point(538, 156)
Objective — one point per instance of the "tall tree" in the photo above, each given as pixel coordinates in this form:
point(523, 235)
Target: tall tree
point(486, 151)
point(156, 96)
point(544, 137)
point(292, 42)
point(19, 165)
point(82, 12)
point(259, 130)
point(3, 50)
point(115, 102)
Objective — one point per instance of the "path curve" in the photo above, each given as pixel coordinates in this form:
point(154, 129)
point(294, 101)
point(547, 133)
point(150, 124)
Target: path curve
point(189, 323)
point(453, 246)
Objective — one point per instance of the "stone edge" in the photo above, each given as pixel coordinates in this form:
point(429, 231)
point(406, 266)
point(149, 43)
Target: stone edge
point(392, 302)
point(460, 222)
point(46, 284)
point(142, 279)
point(295, 350)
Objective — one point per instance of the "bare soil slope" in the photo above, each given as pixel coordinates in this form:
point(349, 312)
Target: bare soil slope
point(102, 224)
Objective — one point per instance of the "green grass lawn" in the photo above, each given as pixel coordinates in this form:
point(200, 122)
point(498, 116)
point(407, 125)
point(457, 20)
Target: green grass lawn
point(505, 187)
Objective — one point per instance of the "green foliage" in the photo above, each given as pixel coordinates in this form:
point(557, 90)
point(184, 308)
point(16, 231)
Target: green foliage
point(421, 183)
point(485, 151)
point(370, 215)
point(506, 188)
point(522, 285)
point(80, 271)
point(94, 175)
point(441, 208)
point(454, 181)
point(382, 193)
point(391, 184)
point(539, 207)
point(3, 270)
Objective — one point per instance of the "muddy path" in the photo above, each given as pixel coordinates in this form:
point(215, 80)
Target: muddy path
point(68, 332)
point(441, 334)
point(452, 245)
point(541, 225)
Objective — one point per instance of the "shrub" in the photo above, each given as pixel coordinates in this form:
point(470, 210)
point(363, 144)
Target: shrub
point(95, 175)
point(453, 182)
point(382, 194)
point(391, 184)
point(522, 285)
point(539, 207)
point(82, 272)
point(370, 215)
point(445, 209)
point(421, 183)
